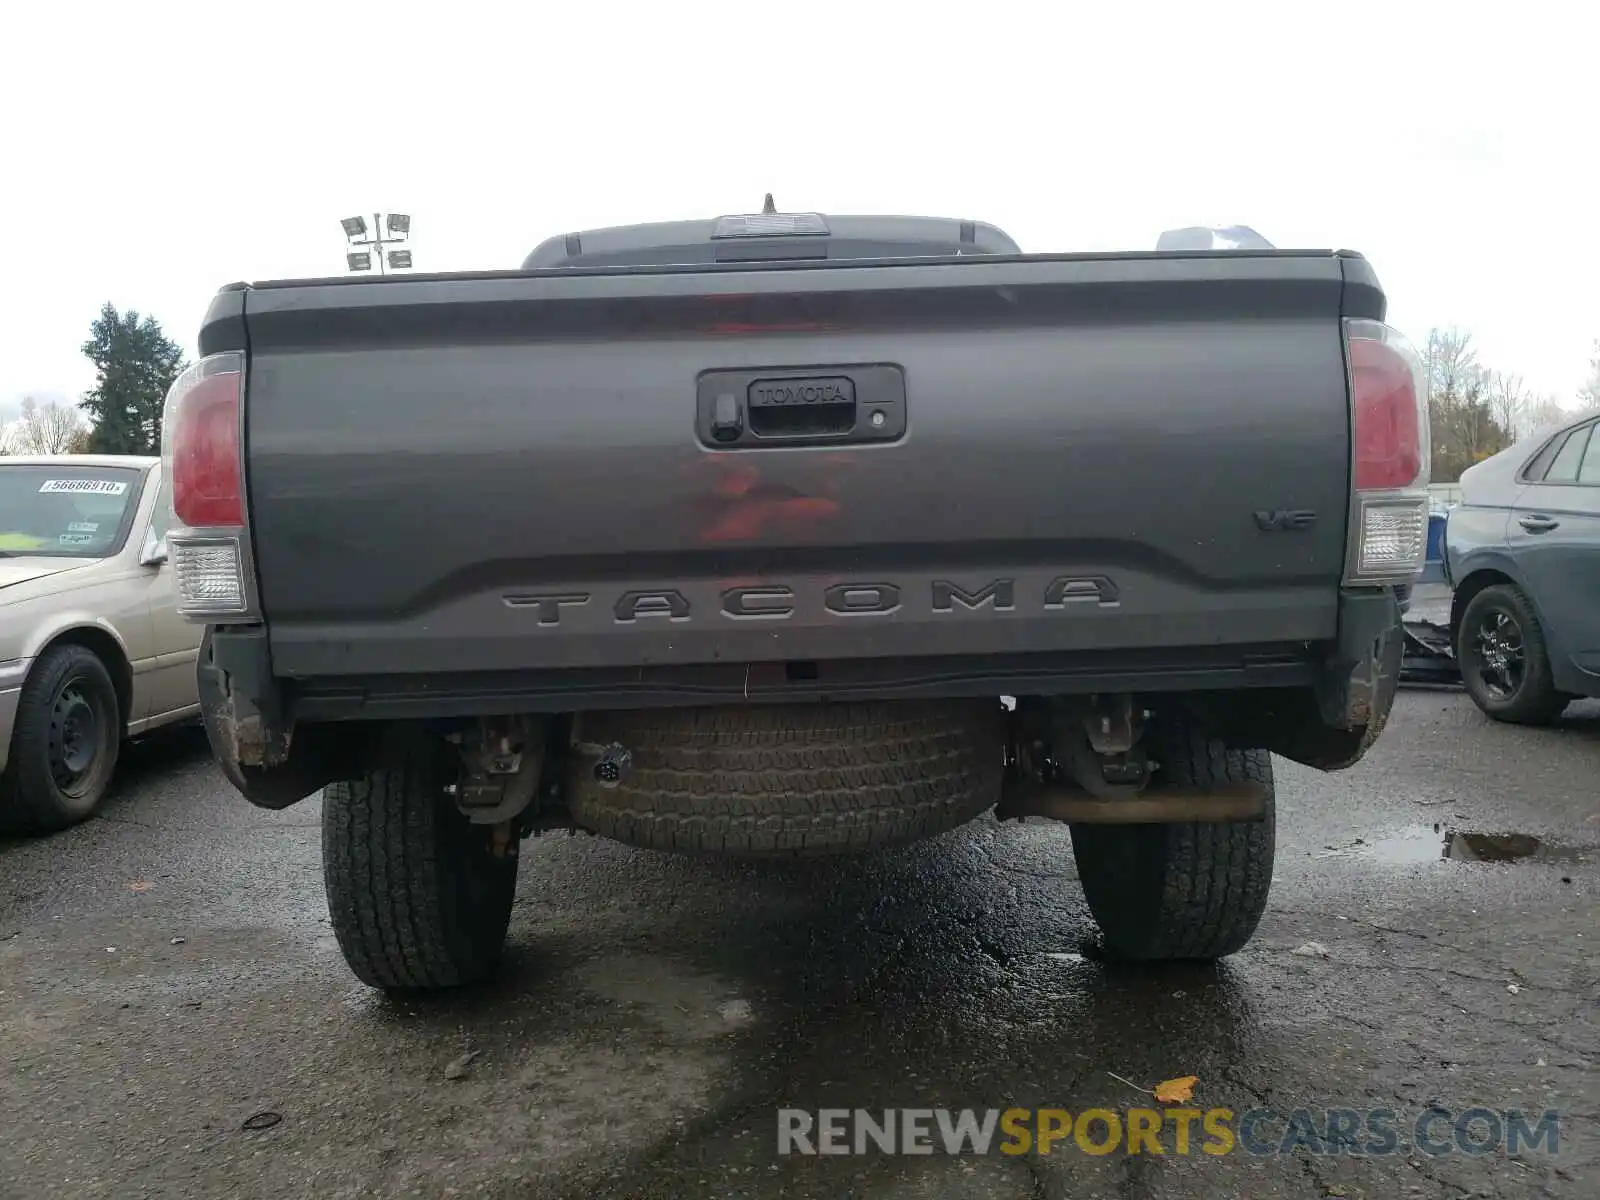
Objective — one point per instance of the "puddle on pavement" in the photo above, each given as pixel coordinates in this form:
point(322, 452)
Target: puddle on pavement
point(1424, 843)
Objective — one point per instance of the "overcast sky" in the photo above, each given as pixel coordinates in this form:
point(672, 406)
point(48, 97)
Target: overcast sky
point(151, 152)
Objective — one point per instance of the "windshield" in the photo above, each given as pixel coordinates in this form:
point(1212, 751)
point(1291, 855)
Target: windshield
point(64, 511)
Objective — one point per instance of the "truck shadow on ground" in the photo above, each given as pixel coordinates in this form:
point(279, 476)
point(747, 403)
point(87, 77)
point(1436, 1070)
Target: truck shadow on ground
point(963, 972)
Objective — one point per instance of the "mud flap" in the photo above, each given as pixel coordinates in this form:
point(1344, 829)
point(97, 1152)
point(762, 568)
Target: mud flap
point(1356, 690)
point(252, 739)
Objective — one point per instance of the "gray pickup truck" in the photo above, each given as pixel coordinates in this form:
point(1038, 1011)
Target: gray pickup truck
point(796, 534)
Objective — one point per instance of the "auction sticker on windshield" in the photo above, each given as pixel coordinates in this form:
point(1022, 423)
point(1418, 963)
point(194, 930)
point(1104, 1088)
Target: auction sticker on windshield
point(99, 487)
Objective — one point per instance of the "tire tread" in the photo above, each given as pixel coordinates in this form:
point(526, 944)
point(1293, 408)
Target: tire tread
point(795, 781)
point(395, 851)
point(1185, 890)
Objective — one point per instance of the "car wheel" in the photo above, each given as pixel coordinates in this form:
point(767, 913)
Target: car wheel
point(418, 896)
point(1505, 664)
point(64, 744)
point(1182, 890)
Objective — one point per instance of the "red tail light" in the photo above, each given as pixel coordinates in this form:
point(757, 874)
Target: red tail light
point(202, 462)
point(1389, 416)
point(1388, 535)
point(202, 436)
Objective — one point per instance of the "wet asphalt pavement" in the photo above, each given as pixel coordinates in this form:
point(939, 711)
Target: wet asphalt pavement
point(167, 971)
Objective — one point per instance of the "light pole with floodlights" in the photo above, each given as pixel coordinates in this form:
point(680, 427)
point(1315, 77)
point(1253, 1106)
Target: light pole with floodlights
point(398, 226)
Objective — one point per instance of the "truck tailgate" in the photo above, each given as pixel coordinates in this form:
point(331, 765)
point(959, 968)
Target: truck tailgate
point(516, 471)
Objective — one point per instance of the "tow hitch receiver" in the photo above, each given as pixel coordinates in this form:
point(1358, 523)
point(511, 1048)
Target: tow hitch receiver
point(1086, 761)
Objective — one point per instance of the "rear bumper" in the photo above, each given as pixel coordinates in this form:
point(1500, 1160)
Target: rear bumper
point(240, 678)
point(278, 740)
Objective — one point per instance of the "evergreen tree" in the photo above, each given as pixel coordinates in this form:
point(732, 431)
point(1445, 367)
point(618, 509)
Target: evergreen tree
point(135, 363)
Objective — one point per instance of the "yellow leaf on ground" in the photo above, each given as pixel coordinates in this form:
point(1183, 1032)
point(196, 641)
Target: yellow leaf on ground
point(140, 885)
point(1176, 1091)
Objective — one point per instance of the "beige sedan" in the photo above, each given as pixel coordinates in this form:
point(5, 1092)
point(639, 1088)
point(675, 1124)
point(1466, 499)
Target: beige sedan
point(91, 647)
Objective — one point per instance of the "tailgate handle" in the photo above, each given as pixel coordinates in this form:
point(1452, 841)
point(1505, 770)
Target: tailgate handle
point(802, 408)
point(786, 407)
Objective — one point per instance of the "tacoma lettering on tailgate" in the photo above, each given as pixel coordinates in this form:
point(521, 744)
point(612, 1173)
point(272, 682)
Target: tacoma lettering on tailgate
point(869, 598)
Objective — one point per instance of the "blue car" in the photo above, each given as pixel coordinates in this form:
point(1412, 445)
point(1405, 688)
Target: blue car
point(1522, 551)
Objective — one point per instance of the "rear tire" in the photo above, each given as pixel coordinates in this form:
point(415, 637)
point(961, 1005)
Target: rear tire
point(790, 780)
point(1496, 619)
point(1182, 890)
point(416, 895)
point(64, 743)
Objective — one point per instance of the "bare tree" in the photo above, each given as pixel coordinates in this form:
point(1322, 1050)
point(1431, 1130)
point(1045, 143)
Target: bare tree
point(48, 428)
point(1543, 411)
point(1509, 403)
point(1462, 420)
point(1474, 411)
point(1451, 362)
point(1589, 393)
